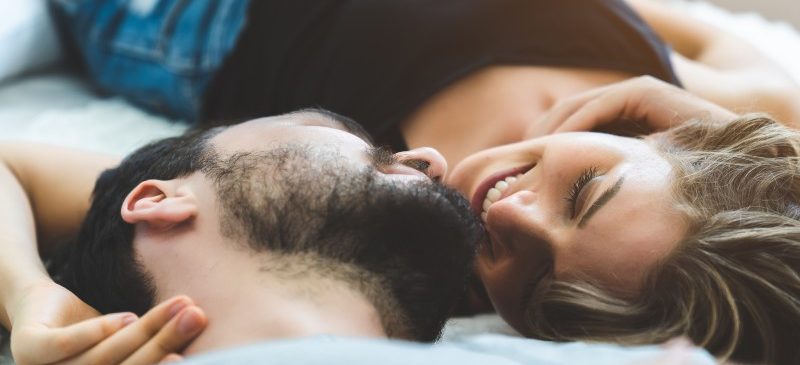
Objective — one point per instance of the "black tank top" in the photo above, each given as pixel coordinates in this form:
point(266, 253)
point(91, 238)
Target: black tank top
point(376, 61)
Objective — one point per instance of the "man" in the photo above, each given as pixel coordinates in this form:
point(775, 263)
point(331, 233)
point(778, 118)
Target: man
point(279, 227)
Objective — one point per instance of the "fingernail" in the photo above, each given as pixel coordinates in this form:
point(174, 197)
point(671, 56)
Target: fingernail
point(190, 322)
point(128, 319)
point(123, 319)
point(177, 307)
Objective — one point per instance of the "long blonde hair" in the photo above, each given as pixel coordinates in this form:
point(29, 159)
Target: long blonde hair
point(733, 284)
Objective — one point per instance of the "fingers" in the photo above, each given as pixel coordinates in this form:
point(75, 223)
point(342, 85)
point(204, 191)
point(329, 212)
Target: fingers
point(551, 120)
point(636, 106)
point(604, 109)
point(135, 336)
point(52, 345)
point(172, 338)
point(642, 99)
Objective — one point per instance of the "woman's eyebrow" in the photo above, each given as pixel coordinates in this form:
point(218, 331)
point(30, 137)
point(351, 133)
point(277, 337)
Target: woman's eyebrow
point(601, 201)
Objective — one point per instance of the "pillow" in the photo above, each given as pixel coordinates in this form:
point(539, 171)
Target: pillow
point(28, 40)
point(779, 41)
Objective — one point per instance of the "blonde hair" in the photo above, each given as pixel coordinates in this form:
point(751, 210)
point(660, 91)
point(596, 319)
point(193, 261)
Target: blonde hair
point(733, 284)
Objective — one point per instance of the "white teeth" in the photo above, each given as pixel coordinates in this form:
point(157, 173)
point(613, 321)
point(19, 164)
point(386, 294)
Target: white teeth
point(496, 192)
point(493, 194)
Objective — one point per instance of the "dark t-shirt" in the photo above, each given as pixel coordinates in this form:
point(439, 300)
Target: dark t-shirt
point(377, 60)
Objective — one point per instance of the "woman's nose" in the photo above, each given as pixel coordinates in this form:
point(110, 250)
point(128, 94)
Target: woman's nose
point(425, 159)
point(521, 222)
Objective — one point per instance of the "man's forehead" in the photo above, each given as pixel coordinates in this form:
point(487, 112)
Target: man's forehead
point(301, 118)
point(304, 118)
point(253, 133)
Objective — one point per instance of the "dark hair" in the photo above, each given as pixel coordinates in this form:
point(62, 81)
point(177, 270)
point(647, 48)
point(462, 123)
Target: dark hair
point(99, 267)
point(408, 247)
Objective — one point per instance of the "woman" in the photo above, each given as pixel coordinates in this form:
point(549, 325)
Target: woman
point(688, 232)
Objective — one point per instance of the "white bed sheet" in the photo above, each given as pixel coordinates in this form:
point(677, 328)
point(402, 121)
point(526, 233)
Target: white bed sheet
point(57, 108)
point(60, 109)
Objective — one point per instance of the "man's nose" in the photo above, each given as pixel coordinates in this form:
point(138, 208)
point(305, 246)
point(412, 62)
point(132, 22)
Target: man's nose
point(425, 159)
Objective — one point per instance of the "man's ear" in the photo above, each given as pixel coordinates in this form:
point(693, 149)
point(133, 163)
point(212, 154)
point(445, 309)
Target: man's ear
point(160, 204)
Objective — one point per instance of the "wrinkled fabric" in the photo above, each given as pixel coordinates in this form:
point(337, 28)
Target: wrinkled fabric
point(159, 54)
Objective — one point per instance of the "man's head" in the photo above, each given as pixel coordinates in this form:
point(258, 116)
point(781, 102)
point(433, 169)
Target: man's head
point(296, 189)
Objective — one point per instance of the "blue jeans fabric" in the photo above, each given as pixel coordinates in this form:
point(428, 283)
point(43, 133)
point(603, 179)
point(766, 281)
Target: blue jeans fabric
point(159, 54)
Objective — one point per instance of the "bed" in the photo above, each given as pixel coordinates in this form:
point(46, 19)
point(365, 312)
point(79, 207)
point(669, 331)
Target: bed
point(41, 102)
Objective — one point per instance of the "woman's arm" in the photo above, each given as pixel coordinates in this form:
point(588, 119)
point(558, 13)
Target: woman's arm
point(58, 183)
point(641, 105)
point(49, 188)
point(44, 190)
point(721, 67)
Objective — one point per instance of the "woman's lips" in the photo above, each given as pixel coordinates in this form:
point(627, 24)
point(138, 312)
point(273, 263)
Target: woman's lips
point(483, 188)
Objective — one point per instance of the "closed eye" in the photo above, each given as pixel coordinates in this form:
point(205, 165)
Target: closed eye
point(575, 199)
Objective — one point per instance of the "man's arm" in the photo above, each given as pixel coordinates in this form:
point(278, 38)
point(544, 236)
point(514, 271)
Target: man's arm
point(44, 189)
point(721, 67)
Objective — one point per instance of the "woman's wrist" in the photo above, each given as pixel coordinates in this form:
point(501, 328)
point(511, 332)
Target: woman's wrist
point(15, 286)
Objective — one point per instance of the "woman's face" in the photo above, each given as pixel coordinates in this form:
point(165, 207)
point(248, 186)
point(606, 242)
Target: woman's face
point(569, 205)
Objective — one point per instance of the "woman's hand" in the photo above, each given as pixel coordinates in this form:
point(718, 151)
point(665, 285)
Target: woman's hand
point(636, 106)
point(51, 325)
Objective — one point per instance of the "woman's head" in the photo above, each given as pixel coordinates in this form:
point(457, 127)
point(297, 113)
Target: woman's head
point(574, 205)
point(731, 282)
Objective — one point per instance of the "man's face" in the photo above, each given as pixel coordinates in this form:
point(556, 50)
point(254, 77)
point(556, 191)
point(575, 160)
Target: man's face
point(220, 195)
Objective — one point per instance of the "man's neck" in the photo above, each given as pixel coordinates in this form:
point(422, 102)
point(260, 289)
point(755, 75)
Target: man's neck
point(246, 304)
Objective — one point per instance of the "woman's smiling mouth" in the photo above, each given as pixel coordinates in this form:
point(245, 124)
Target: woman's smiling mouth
point(491, 189)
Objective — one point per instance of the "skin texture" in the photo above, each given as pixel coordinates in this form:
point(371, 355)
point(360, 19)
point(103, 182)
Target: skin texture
point(199, 261)
point(532, 228)
point(643, 102)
